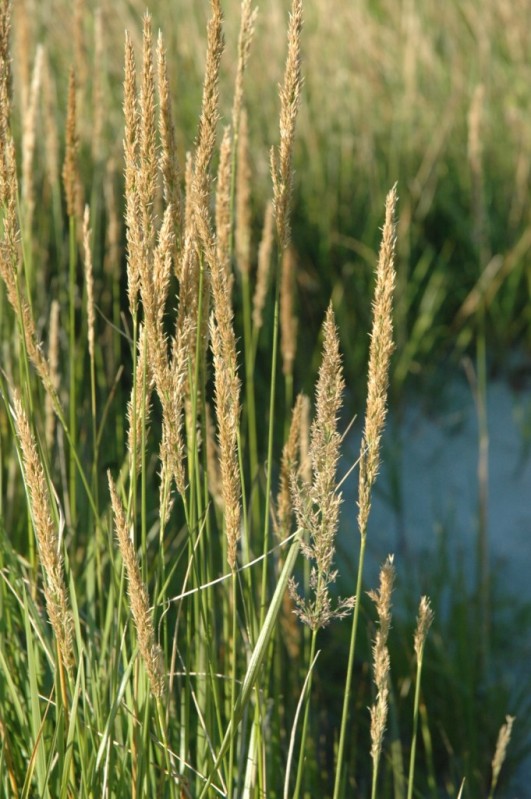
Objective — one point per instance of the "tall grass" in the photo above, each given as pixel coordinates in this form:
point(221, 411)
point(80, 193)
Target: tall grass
point(159, 630)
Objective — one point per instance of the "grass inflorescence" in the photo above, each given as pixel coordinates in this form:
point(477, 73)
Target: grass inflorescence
point(169, 503)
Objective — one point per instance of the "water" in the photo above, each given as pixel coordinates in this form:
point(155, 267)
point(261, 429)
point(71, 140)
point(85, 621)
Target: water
point(426, 503)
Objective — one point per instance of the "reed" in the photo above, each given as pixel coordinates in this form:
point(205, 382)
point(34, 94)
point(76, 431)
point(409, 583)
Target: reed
point(178, 507)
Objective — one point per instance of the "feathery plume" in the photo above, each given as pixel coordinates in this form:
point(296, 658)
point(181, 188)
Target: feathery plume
point(150, 651)
point(6, 76)
point(264, 267)
point(146, 184)
point(424, 622)
point(382, 600)
point(168, 152)
point(288, 466)
point(380, 351)
point(10, 257)
point(70, 167)
point(55, 593)
point(281, 162)
point(247, 23)
point(53, 360)
point(243, 199)
point(504, 737)
point(317, 504)
point(132, 210)
point(288, 320)
point(223, 213)
point(89, 280)
point(227, 392)
point(29, 137)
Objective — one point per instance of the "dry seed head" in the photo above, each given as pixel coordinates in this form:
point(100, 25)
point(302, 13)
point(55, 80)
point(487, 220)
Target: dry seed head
point(381, 660)
point(10, 256)
point(243, 199)
point(98, 95)
point(147, 166)
point(212, 456)
point(132, 213)
point(381, 348)
point(6, 77)
point(45, 528)
point(139, 405)
point(53, 360)
point(113, 247)
point(150, 651)
point(288, 320)
point(168, 152)
point(70, 168)
point(305, 457)
point(51, 135)
point(288, 466)
point(247, 23)
point(89, 279)
point(264, 267)
point(281, 162)
point(29, 137)
point(206, 135)
point(504, 737)
point(317, 503)
point(424, 622)
point(227, 392)
point(223, 203)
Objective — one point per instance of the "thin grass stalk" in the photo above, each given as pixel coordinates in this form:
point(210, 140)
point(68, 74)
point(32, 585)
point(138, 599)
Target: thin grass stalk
point(57, 602)
point(304, 731)
point(379, 358)
point(282, 177)
point(424, 622)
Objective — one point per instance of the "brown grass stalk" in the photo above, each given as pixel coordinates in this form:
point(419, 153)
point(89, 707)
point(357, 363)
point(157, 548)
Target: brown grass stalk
point(223, 206)
point(243, 199)
point(53, 360)
point(150, 651)
point(10, 260)
point(29, 136)
point(264, 267)
point(245, 38)
point(317, 504)
point(89, 280)
point(168, 153)
point(380, 351)
point(288, 320)
point(281, 161)
point(504, 738)
point(70, 175)
point(381, 660)
point(289, 465)
point(55, 593)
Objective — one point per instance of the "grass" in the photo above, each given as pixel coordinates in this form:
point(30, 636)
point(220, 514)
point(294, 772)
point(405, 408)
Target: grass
point(169, 505)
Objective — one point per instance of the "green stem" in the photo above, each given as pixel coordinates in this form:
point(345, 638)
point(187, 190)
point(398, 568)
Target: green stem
point(300, 766)
point(415, 728)
point(350, 669)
